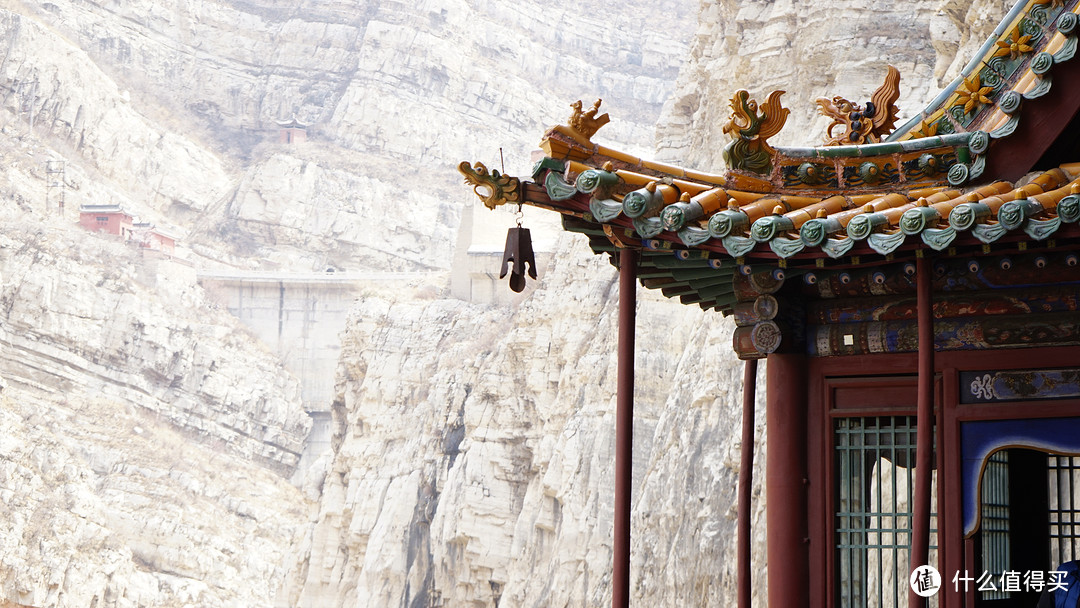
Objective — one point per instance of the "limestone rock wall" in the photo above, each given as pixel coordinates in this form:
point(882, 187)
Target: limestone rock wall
point(813, 50)
point(396, 95)
point(106, 506)
point(52, 88)
point(145, 438)
point(482, 477)
point(475, 452)
point(138, 332)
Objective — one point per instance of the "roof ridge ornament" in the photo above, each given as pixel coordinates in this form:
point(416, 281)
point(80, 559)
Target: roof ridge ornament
point(863, 125)
point(587, 123)
point(749, 149)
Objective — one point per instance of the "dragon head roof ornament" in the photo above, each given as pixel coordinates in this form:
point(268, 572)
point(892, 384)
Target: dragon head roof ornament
point(863, 125)
point(492, 187)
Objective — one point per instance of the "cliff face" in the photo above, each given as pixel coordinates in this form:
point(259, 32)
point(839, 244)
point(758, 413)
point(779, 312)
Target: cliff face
point(395, 94)
point(482, 474)
point(138, 331)
point(813, 50)
point(145, 436)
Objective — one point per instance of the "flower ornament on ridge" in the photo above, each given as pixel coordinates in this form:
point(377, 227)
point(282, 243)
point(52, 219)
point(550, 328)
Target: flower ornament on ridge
point(1017, 46)
point(926, 129)
point(971, 95)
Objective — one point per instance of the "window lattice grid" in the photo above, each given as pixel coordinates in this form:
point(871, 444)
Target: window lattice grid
point(875, 480)
point(995, 520)
point(1064, 480)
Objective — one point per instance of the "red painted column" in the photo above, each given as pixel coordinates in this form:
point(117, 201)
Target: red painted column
point(746, 478)
point(624, 427)
point(786, 481)
point(920, 533)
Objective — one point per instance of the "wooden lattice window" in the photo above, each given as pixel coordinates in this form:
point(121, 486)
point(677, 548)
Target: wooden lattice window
point(873, 493)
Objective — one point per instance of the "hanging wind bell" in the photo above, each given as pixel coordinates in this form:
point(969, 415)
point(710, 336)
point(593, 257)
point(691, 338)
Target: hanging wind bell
point(519, 252)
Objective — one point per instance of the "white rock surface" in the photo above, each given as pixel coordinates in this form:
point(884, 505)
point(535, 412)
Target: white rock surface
point(89, 317)
point(396, 94)
point(144, 437)
point(813, 50)
point(476, 450)
point(496, 488)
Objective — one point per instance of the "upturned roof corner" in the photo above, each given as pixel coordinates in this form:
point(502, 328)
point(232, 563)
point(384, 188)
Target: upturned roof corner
point(951, 179)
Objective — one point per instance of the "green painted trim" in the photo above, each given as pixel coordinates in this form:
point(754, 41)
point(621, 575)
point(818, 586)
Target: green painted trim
point(726, 221)
point(648, 227)
point(769, 227)
point(938, 238)
point(605, 210)
point(1068, 209)
point(966, 215)
point(886, 242)
point(1013, 214)
point(1041, 229)
point(700, 274)
point(815, 231)
point(572, 224)
point(547, 164)
point(917, 219)
point(738, 246)
point(641, 202)
point(836, 248)
point(863, 224)
point(786, 247)
point(692, 237)
point(958, 174)
point(1068, 51)
point(1045, 83)
point(557, 188)
point(596, 179)
point(1006, 129)
point(988, 233)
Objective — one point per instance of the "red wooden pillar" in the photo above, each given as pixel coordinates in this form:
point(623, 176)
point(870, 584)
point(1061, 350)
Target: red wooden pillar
point(624, 427)
point(920, 533)
point(786, 481)
point(746, 478)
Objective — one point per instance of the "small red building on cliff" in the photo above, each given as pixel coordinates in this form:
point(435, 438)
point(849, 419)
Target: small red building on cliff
point(111, 219)
point(292, 131)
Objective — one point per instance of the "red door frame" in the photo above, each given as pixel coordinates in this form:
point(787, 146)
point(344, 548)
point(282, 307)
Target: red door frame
point(869, 385)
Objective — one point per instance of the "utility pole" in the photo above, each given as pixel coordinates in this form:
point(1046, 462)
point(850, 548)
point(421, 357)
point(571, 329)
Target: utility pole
point(55, 185)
